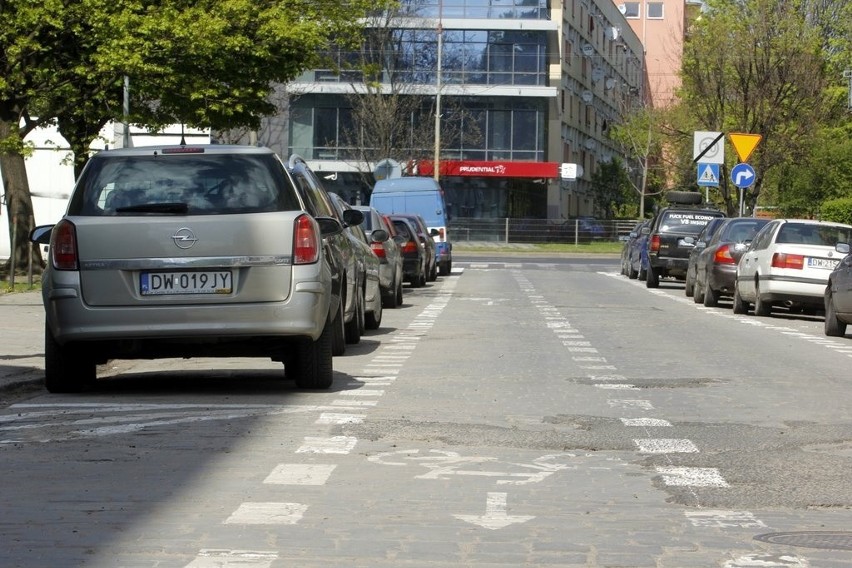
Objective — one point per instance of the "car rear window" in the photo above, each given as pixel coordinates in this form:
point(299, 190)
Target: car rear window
point(690, 222)
point(809, 234)
point(197, 184)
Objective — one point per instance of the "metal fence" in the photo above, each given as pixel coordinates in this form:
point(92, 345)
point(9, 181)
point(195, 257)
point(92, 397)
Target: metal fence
point(571, 231)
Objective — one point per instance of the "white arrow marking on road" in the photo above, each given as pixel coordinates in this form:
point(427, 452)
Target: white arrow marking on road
point(495, 516)
point(742, 177)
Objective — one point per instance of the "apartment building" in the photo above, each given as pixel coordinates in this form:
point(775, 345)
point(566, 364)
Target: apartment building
point(539, 82)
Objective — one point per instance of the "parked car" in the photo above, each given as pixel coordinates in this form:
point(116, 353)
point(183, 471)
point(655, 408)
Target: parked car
point(638, 253)
point(389, 253)
point(413, 252)
point(838, 295)
point(368, 296)
point(627, 249)
point(423, 196)
point(700, 244)
point(192, 251)
point(425, 237)
point(671, 235)
point(716, 260)
point(788, 263)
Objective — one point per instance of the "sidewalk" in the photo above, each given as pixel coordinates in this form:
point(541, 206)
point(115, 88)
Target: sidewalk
point(21, 339)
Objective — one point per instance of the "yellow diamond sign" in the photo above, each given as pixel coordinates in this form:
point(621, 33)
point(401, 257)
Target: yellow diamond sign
point(744, 144)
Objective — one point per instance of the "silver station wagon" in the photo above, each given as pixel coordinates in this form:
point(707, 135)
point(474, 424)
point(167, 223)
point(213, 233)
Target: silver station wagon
point(192, 251)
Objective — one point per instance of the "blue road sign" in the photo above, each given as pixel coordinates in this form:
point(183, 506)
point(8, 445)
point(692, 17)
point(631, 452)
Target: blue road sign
point(742, 175)
point(708, 175)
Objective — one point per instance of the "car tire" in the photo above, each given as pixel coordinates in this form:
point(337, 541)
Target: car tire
point(353, 326)
point(338, 330)
point(372, 320)
point(697, 293)
point(652, 279)
point(67, 368)
point(740, 306)
point(761, 307)
point(433, 273)
point(711, 297)
point(398, 294)
point(833, 326)
point(632, 274)
point(689, 286)
point(445, 268)
point(643, 274)
point(314, 367)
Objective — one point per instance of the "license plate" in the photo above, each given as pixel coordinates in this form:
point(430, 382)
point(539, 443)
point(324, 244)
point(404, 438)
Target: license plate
point(207, 282)
point(825, 263)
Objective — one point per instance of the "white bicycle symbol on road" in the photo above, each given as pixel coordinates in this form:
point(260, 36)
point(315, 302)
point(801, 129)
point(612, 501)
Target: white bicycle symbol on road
point(442, 464)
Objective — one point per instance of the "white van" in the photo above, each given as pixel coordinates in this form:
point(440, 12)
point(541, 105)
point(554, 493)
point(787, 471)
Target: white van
point(421, 196)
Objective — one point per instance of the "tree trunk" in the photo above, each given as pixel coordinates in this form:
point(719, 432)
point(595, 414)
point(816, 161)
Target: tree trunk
point(19, 207)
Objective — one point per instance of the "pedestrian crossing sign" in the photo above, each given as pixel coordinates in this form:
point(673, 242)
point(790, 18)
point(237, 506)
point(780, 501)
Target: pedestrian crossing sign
point(708, 175)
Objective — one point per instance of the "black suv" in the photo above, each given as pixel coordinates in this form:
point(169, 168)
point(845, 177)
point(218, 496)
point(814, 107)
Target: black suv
point(672, 233)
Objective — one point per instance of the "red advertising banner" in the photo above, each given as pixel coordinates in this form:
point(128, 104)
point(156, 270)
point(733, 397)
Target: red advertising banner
point(487, 169)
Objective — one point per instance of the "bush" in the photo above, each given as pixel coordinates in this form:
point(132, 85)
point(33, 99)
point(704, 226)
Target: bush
point(838, 210)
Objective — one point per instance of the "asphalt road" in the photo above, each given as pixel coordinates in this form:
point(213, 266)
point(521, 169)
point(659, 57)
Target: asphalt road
point(523, 411)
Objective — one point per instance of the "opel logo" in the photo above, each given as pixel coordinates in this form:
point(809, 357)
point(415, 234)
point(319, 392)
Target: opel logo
point(184, 238)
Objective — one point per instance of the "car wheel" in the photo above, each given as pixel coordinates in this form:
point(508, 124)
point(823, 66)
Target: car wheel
point(740, 306)
point(390, 300)
point(643, 274)
point(398, 294)
point(711, 297)
point(313, 361)
point(761, 307)
point(372, 320)
point(445, 268)
point(833, 326)
point(353, 326)
point(433, 273)
point(652, 279)
point(632, 274)
point(689, 286)
point(67, 368)
point(697, 293)
point(338, 331)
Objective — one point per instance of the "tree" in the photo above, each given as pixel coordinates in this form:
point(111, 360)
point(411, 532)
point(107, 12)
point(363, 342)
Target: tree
point(612, 188)
point(640, 136)
point(209, 63)
point(756, 66)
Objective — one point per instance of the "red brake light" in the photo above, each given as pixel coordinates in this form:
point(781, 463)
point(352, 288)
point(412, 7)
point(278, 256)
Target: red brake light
point(63, 246)
point(654, 246)
point(723, 255)
point(409, 247)
point(306, 241)
point(378, 249)
point(782, 260)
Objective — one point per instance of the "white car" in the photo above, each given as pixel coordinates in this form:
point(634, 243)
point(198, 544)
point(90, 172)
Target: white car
point(788, 263)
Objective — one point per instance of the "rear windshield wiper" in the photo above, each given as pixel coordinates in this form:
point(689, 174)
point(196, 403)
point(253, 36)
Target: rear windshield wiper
point(166, 208)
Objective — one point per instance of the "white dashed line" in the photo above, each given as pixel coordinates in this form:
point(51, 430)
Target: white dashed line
point(653, 422)
point(665, 446)
point(333, 445)
point(300, 474)
point(267, 514)
point(331, 418)
point(692, 477)
point(724, 519)
point(215, 558)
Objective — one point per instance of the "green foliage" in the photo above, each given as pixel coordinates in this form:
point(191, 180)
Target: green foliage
point(838, 210)
point(614, 196)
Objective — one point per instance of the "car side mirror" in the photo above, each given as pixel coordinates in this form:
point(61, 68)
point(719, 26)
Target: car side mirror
point(645, 231)
point(379, 236)
point(434, 233)
point(41, 234)
point(842, 248)
point(353, 217)
point(329, 226)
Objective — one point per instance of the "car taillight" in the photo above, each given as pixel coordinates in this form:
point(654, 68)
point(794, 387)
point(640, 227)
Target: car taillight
point(306, 241)
point(63, 246)
point(655, 243)
point(378, 249)
point(410, 247)
point(723, 255)
point(782, 260)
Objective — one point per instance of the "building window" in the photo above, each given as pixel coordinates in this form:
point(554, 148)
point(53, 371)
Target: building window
point(630, 10)
point(655, 10)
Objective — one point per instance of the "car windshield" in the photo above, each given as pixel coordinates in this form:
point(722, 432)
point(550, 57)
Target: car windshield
point(812, 234)
point(191, 184)
point(690, 222)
